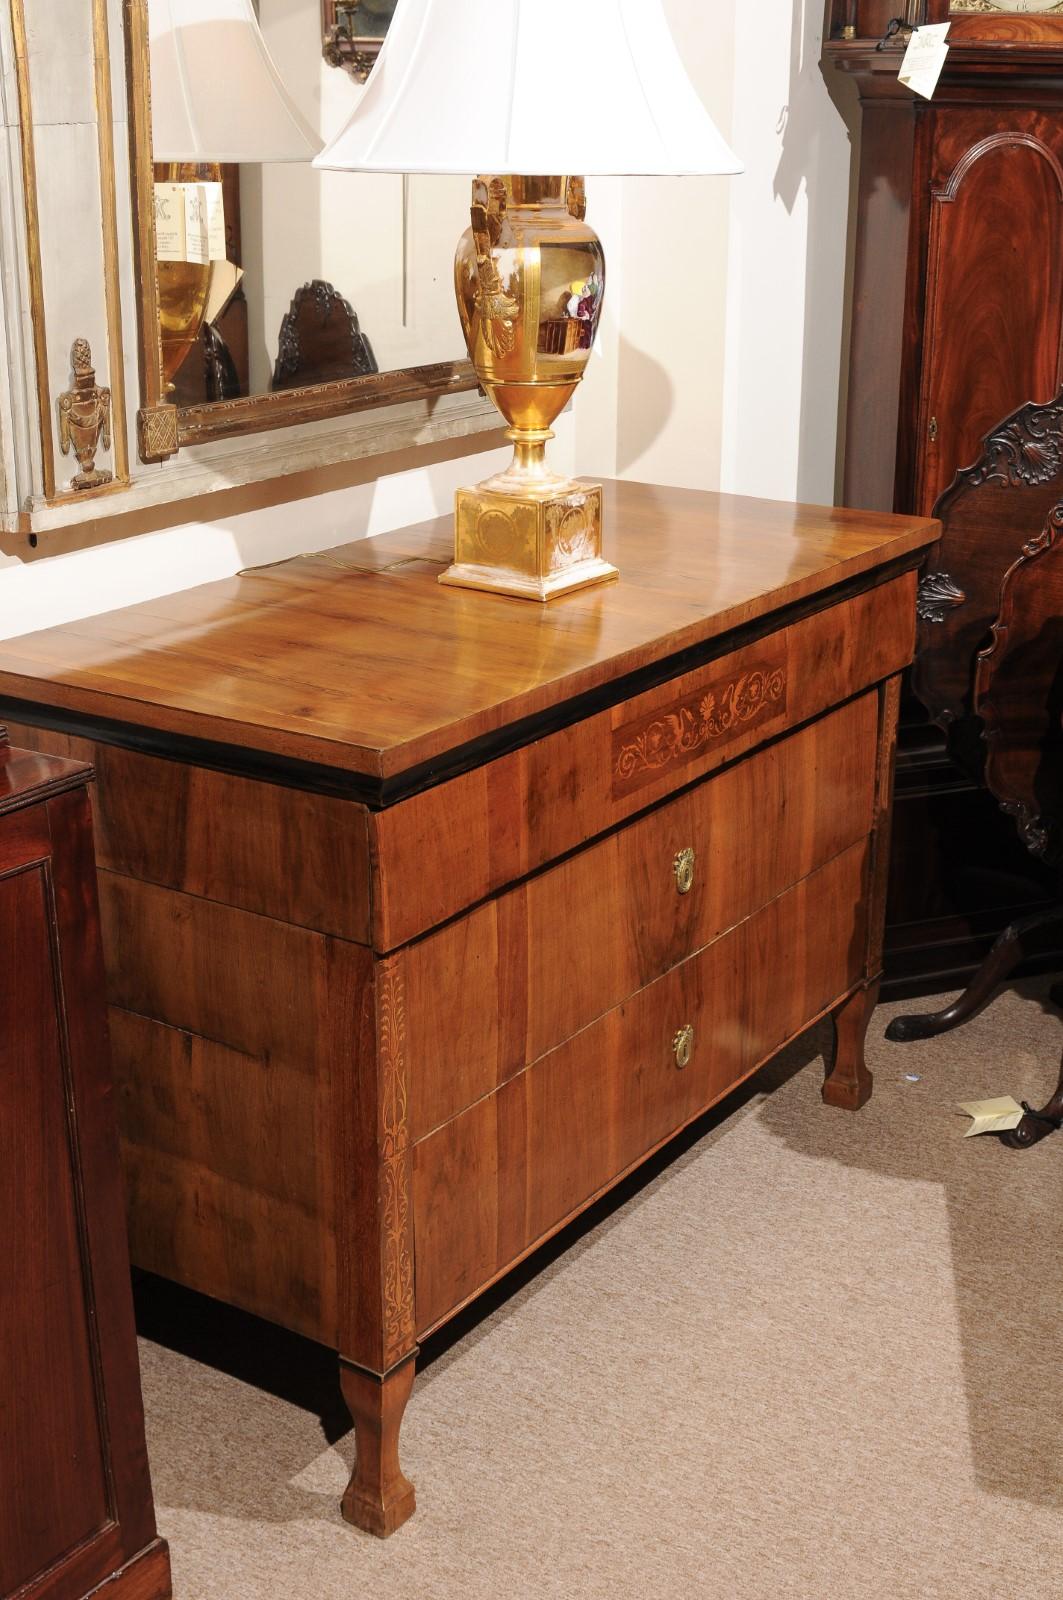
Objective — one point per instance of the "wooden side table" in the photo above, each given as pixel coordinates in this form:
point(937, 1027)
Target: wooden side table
point(429, 914)
point(75, 1497)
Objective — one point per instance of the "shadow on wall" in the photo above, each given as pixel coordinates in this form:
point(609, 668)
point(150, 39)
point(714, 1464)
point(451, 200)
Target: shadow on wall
point(639, 426)
point(809, 158)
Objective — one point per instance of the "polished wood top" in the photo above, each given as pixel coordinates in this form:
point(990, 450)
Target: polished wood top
point(358, 659)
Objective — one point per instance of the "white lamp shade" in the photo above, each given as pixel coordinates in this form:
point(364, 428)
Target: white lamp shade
point(215, 92)
point(530, 86)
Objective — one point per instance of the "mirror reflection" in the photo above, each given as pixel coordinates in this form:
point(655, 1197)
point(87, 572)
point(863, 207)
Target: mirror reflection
point(274, 276)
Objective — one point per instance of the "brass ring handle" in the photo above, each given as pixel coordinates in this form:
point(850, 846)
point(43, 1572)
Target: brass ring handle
point(683, 867)
point(683, 1045)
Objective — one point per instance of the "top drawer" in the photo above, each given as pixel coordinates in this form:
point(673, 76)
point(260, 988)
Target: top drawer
point(440, 852)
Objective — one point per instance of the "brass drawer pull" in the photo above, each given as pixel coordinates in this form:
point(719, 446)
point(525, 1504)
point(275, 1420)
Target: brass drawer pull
point(683, 1045)
point(683, 867)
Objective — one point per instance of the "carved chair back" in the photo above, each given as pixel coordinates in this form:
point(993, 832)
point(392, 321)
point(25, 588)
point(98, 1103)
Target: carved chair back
point(1018, 692)
point(989, 667)
point(321, 340)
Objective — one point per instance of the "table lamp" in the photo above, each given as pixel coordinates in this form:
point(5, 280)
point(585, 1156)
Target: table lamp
point(515, 93)
point(216, 96)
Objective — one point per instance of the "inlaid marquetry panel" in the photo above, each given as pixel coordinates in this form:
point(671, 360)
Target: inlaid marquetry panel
point(711, 717)
point(395, 1165)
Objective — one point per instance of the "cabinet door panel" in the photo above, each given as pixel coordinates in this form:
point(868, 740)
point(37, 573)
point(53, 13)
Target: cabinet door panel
point(52, 1480)
point(995, 286)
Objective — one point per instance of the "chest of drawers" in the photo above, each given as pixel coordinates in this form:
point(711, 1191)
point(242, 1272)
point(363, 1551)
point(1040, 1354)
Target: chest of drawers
point(429, 915)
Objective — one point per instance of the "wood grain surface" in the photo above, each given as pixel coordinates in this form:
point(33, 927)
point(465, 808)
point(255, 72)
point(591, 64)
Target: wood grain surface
point(512, 1168)
point(495, 990)
point(360, 660)
point(994, 273)
point(442, 850)
point(76, 1511)
point(299, 857)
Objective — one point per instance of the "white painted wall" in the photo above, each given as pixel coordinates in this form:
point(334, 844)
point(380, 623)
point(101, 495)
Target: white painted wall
point(786, 266)
point(675, 290)
point(731, 290)
point(101, 577)
point(719, 357)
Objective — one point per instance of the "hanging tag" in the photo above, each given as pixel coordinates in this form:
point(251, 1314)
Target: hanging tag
point(924, 58)
point(214, 206)
point(197, 241)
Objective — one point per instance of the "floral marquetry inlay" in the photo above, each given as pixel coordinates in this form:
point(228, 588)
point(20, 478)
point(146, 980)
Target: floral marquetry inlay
point(686, 729)
point(994, 6)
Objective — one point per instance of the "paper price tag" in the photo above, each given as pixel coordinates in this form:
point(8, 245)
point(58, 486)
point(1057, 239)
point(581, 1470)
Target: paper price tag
point(992, 1116)
point(214, 203)
point(170, 221)
point(924, 58)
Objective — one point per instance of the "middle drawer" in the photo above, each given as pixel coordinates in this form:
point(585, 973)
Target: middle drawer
point(518, 976)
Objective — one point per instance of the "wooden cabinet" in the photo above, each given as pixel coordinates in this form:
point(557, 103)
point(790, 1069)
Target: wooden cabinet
point(75, 1498)
point(993, 283)
point(429, 915)
point(957, 320)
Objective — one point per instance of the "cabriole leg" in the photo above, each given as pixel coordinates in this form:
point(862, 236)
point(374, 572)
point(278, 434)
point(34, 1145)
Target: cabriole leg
point(848, 1083)
point(378, 1498)
point(1002, 960)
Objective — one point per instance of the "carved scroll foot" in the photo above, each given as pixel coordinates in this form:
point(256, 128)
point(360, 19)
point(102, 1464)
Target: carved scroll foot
point(1004, 957)
point(849, 1083)
point(378, 1497)
point(1037, 1125)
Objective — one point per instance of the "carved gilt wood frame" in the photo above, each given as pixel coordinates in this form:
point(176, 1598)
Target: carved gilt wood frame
point(45, 399)
point(164, 428)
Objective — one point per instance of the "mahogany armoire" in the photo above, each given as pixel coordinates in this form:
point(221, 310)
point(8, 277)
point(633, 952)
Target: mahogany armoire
point(956, 320)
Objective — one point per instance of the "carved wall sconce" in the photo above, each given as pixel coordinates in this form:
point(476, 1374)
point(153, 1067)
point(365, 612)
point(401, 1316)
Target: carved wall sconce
point(353, 32)
point(85, 419)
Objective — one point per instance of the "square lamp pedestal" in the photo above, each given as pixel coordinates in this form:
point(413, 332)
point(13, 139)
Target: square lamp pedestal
point(534, 546)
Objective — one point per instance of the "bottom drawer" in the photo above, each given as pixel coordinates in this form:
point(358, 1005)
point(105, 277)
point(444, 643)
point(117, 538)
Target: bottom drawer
point(512, 1168)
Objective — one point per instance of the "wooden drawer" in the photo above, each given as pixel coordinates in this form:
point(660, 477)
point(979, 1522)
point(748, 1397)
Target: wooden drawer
point(442, 851)
point(284, 853)
point(510, 1170)
point(513, 979)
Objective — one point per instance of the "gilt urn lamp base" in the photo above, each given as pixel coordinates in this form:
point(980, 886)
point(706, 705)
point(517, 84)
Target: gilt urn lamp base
point(530, 278)
point(528, 532)
point(531, 549)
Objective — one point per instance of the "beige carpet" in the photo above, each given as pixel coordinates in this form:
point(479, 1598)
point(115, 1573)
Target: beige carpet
point(817, 1355)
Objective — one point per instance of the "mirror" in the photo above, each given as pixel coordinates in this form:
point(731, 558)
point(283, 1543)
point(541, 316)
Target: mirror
point(272, 294)
point(354, 31)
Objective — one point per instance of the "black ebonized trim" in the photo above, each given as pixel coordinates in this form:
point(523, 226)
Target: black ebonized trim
point(378, 793)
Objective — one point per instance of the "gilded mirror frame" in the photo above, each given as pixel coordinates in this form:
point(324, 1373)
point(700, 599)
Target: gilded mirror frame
point(163, 428)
